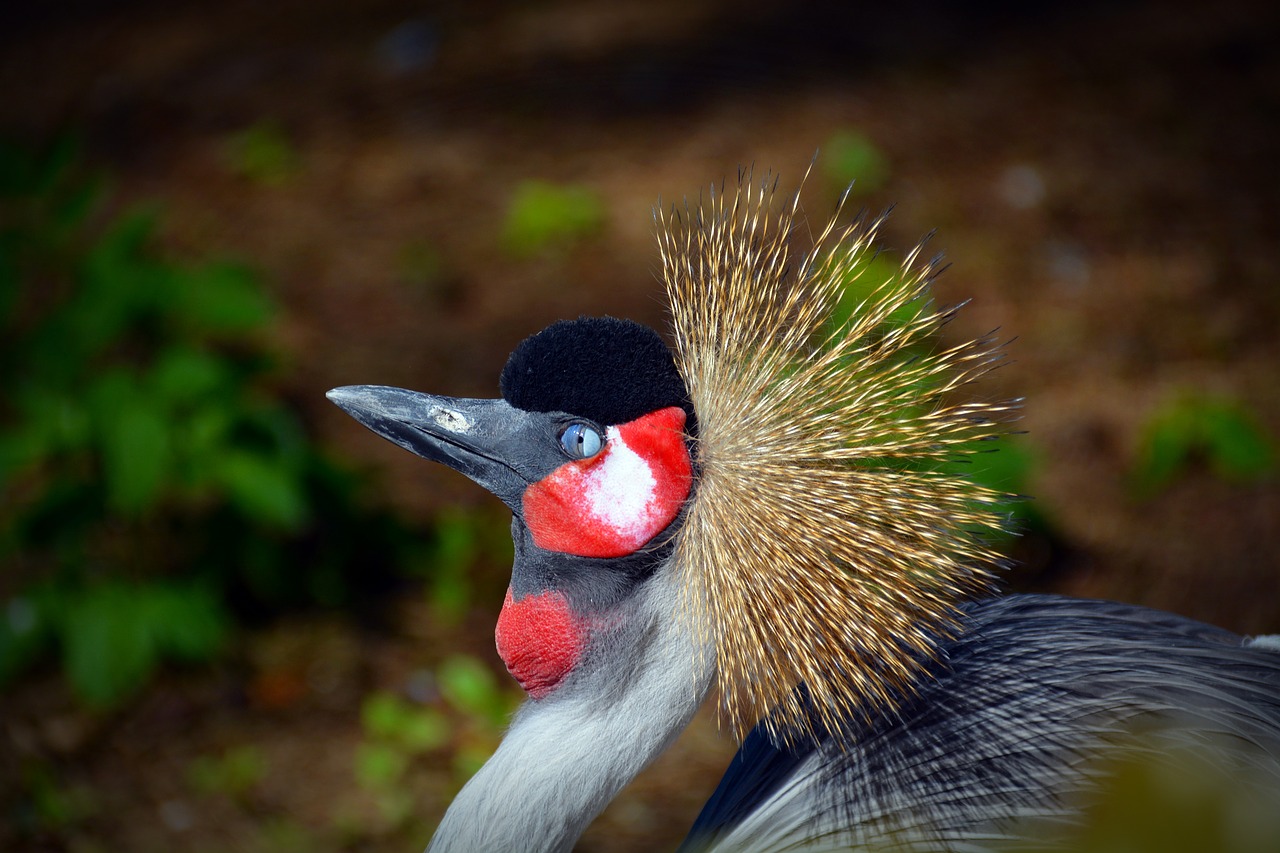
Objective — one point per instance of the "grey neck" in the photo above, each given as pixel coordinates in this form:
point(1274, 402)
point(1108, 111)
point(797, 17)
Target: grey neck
point(566, 756)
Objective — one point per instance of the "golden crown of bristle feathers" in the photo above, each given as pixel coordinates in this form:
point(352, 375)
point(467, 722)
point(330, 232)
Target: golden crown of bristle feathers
point(830, 540)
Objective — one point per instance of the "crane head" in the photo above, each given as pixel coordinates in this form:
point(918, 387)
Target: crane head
point(589, 447)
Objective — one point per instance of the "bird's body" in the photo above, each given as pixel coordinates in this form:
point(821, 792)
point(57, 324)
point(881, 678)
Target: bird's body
point(769, 512)
point(1006, 739)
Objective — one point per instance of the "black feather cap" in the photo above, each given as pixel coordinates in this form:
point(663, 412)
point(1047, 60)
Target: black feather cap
point(609, 370)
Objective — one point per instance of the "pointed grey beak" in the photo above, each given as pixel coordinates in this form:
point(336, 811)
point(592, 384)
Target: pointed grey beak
point(489, 441)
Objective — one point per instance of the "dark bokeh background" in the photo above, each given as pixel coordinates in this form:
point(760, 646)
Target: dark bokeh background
point(1102, 177)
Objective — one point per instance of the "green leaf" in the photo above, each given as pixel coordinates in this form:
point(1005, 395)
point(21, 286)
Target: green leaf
point(201, 440)
point(850, 159)
point(1239, 450)
point(184, 375)
point(108, 649)
point(423, 730)
point(382, 715)
point(97, 314)
point(263, 154)
point(234, 773)
point(387, 717)
point(75, 207)
point(379, 765)
point(136, 452)
point(187, 622)
point(220, 298)
point(542, 215)
point(20, 448)
point(53, 167)
point(124, 242)
point(60, 420)
point(870, 276)
point(1168, 441)
point(470, 687)
point(114, 634)
point(454, 552)
point(262, 488)
point(1218, 431)
point(272, 429)
point(1005, 467)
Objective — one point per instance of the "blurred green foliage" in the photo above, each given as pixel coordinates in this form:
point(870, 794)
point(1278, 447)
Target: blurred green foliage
point(263, 154)
point(1193, 427)
point(1006, 466)
point(409, 729)
point(50, 804)
point(850, 160)
point(467, 717)
point(483, 705)
point(462, 539)
point(234, 773)
point(542, 216)
point(282, 835)
point(114, 634)
point(1169, 798)
point(396, 731)
point(868, 277)
point(152, 480)
point(470, 687)
point(421, 264)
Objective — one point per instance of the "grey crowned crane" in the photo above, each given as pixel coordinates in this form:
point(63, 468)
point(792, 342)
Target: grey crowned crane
point(766, 510)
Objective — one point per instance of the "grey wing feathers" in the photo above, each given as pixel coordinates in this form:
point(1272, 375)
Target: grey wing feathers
point(1007, 733)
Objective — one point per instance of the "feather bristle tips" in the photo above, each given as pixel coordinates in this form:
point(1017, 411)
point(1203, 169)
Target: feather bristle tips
point(830, 541)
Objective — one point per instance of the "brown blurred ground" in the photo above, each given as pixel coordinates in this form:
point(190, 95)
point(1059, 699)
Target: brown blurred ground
point(1103, 179)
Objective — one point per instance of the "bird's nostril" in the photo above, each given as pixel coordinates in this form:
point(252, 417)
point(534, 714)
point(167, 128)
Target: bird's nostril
point(450, 419)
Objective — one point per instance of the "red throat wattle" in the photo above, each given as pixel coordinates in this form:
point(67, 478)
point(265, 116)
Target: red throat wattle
point(615, 502)
point(540, 639)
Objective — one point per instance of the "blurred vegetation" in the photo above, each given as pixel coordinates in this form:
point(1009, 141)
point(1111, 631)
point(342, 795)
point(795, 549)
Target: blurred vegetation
point(1167, 798)
point(421, 265)
point(1006, 466)
point(263, 154)
point(154, 483)
point(542, 216)
point(51, 805)
point(234, 773)
point(463, 538)
point(850, 160)
point(1193, 427)
point(468, 716)
point(471, 690)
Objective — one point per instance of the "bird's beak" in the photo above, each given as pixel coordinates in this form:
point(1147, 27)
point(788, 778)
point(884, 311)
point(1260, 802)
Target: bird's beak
point(487, 440)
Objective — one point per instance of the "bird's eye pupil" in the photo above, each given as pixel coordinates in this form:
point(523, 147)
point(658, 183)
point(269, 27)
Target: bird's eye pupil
point(581, 441)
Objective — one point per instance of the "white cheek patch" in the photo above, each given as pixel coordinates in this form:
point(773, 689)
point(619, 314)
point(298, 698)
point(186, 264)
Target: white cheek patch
point(620, 489)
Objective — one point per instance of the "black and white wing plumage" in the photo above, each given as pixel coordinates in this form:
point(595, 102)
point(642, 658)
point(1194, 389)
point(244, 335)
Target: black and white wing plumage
point(1005, 739)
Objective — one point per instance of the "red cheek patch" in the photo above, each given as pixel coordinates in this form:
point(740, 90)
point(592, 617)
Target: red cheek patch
point(615, 502)
point(540, 640)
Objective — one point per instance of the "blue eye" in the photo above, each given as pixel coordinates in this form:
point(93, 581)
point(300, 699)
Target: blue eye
point(581, 441)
